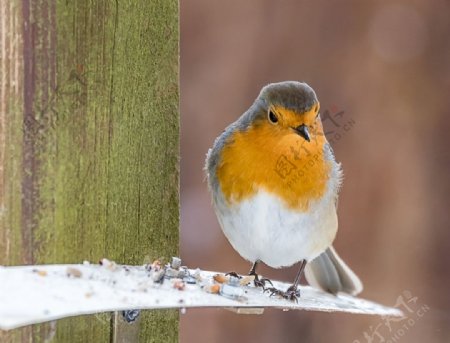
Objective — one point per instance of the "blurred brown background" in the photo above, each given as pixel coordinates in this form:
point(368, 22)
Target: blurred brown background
point(387, 66)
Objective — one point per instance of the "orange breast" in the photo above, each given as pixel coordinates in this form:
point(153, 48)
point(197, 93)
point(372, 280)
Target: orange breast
point(278, 161)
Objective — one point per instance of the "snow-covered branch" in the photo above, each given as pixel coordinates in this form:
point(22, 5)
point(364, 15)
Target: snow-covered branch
point(34, 294)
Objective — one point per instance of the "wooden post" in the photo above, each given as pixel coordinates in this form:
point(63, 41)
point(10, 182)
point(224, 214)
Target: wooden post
point(89, 144)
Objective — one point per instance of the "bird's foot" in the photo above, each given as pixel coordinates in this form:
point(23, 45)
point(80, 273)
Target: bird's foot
point(257, 281)
point(292, 293)
point(261, 282)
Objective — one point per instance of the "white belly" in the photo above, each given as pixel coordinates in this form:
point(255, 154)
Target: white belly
point(259, 228)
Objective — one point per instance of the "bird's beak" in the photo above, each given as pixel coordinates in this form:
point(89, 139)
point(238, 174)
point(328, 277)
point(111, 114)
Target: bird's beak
point(302, 130)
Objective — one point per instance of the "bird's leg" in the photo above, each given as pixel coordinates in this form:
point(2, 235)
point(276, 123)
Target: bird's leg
point(257, 281)
point(292, 293)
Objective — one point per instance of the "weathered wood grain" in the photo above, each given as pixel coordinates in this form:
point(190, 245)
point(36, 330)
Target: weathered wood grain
point(89, 142)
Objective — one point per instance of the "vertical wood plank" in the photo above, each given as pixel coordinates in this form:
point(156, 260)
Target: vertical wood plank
point(89, 135)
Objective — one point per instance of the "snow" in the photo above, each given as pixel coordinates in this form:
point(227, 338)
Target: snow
point(35, 294)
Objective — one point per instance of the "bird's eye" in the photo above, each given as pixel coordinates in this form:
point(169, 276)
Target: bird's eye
point(272, 117)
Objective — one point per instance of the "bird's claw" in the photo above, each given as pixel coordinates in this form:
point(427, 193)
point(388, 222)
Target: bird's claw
point(261, 282)
point(292, 293)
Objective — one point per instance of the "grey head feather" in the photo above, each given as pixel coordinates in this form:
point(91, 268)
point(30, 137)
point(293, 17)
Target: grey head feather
point(293, 95)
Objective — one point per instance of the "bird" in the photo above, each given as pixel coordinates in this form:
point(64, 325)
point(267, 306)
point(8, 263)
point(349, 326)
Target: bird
point(274, 183)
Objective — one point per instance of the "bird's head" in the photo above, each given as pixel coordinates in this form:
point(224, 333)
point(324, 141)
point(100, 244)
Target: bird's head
point(289, 107)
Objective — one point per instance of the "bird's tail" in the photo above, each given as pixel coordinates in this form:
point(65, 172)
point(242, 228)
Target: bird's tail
point(329, 273)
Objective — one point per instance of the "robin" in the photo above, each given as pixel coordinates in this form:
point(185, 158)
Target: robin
point(274, 183)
